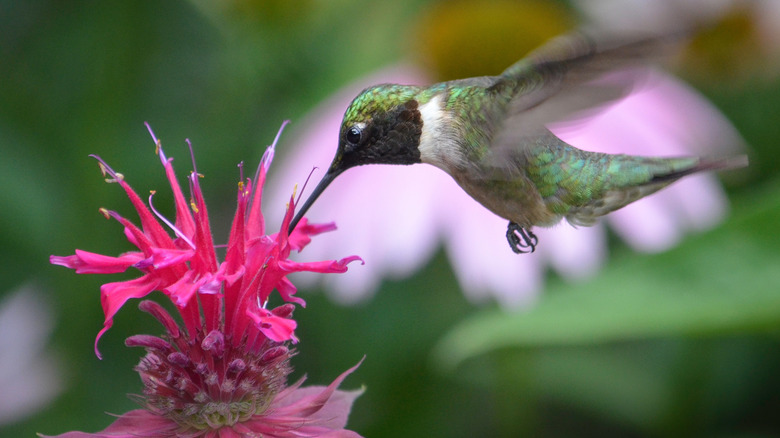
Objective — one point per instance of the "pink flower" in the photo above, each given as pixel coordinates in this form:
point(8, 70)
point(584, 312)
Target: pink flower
point(398, 215)
point(31, 373)
point(654, 16)
point(735, 41)
point(224, 373)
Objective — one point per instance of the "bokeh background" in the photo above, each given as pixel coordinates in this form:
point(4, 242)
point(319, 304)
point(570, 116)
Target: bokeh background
point(679, 343)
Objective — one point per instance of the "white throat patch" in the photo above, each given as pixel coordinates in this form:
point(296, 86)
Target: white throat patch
point(437, 143)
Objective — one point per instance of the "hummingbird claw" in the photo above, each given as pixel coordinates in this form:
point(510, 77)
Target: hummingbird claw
point(520, 239)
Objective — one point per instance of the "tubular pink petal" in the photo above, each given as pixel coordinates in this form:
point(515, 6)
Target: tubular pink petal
point(300, 236)
point(231, 277)
point(114, 295)
point(85, 262)
point(255, 220)
point(265, 162)
point(205, 257)
point(327, 266)
point(282, 236)
point(182, 291)
point(161, 315)
point(314, 229)
point(165, 258)
point(139, 238)
point(210, 285)
point(275, 328)
point(284, 311)
point(184, 221)
point(148, 341)
point(152, 229)
point(235, 254)
point(286, 289)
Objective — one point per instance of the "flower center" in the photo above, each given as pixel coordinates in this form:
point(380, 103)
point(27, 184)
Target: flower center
point(209, 383)
point(213, 415)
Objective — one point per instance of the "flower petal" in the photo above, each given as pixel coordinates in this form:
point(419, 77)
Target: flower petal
point(132, 424)
point(309, 401)
point(114, 295)
point(274, 327)
point(85, 262)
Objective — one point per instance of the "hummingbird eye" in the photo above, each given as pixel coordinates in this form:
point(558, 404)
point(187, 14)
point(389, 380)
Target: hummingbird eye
point(354, 134)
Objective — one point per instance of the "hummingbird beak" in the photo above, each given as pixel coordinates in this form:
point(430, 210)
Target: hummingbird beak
point(330, 175)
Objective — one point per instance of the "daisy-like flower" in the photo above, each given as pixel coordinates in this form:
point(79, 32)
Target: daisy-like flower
point(406, 211)
point(224, 372)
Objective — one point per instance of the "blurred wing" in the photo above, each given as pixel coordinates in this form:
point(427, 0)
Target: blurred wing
point(570, 78)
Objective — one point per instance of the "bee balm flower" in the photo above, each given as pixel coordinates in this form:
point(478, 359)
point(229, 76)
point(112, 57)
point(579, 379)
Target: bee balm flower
point(223, 373)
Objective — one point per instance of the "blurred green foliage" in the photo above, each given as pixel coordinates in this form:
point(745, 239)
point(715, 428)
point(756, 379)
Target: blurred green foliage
point(682, 343)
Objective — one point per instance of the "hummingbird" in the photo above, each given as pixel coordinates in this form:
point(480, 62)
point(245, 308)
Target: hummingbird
point(489, 134)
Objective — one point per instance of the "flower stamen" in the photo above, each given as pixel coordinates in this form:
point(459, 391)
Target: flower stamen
point(167, 222)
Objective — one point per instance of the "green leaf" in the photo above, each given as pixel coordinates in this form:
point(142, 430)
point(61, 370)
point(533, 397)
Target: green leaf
point(724, 281)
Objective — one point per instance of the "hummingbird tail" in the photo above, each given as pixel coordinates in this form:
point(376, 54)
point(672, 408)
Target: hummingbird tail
point(642, 176)
point(704, 165)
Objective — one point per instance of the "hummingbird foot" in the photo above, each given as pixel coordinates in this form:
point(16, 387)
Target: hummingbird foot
point(521, 241)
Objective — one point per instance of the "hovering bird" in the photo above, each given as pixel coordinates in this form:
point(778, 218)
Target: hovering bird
point(489, 133)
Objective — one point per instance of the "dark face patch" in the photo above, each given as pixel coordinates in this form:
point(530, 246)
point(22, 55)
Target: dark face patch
point(390, 137)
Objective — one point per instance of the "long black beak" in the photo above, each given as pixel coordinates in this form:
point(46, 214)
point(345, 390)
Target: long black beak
point(330, 175)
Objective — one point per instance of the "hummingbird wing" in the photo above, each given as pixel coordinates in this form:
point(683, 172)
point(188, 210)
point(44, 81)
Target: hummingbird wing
point(568, 78)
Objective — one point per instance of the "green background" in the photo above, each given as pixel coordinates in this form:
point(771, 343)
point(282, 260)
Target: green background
point(682, 343)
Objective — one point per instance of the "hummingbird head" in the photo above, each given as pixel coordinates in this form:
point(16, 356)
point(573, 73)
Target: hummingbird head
point(382, 125)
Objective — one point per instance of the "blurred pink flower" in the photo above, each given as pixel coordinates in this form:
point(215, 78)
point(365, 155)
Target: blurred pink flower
point(30, 374)
point(396, 216)
point(744, 35)
point(224, 373)
point(658, 15)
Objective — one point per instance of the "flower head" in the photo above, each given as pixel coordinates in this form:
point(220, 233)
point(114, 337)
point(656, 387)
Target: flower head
point(224, 372)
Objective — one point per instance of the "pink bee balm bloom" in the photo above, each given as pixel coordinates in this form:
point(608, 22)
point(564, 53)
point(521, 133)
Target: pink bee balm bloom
point(224, 373)
point(406, 211)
